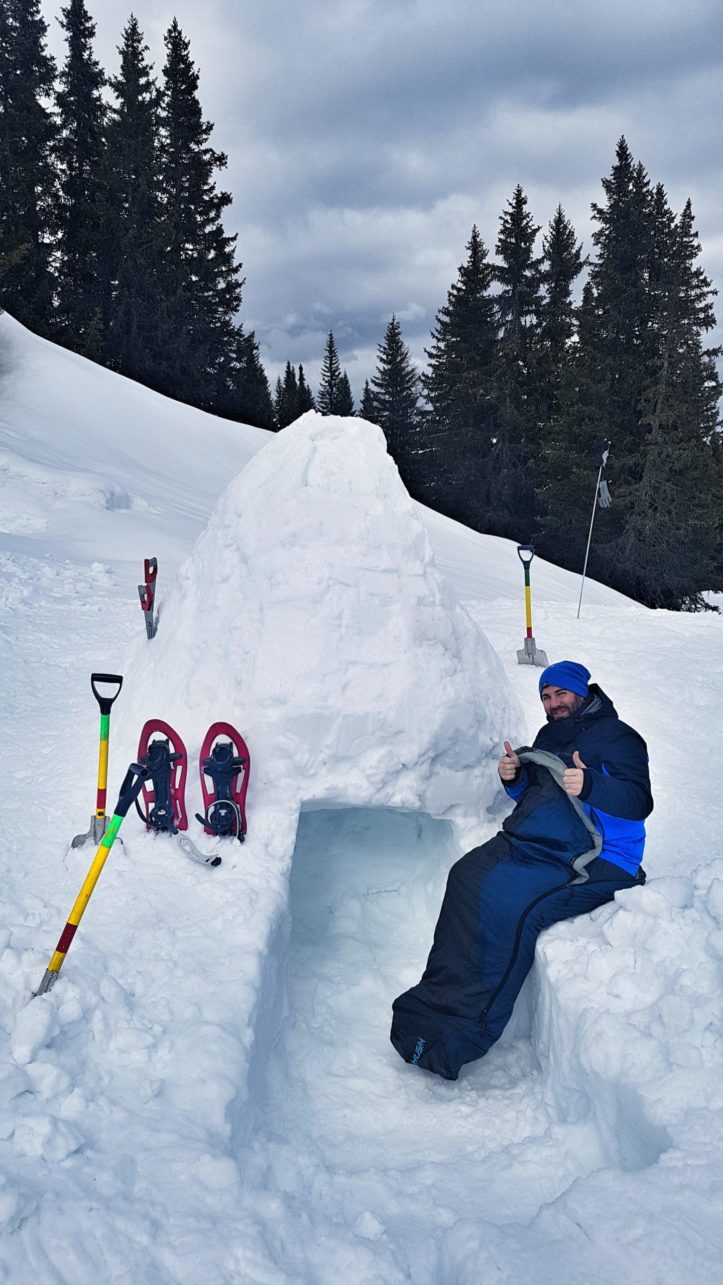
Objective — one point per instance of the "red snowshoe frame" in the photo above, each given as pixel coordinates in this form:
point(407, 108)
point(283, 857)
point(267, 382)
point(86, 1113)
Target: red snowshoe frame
point(156, 729)
point(240, 782)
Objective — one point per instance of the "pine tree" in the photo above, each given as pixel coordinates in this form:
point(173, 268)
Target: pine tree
point(669, 550)
point(460, 428)
point(329, 394)
point(620, 278)
point(610, 366)
point(83, 272)
point(305, 397)
point(568, 464)
point(396, 400)
point(243, 392)
point(286, 400)
point(511, 476)
point(641, 378)
point(27, 179)
point(562, 264)
point(345, 400)
point(202, 284)
point(135, 247)
point(367, 408)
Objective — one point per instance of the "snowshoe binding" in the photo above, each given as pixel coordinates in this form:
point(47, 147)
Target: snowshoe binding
point(162, 751)
point(224, 766)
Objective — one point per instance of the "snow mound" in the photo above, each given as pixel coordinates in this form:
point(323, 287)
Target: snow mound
point(311, 615)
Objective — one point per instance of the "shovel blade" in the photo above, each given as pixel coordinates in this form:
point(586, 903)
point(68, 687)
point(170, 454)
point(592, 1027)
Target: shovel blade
point(98, 827)
point(532, 655)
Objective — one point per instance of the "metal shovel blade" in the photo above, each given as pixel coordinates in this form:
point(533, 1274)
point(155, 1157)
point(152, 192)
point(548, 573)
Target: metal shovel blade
point(98, 827)
point(532, 655)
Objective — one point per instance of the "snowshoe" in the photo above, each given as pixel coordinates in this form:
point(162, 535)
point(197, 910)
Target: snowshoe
point(224, 767)
point(162, 751)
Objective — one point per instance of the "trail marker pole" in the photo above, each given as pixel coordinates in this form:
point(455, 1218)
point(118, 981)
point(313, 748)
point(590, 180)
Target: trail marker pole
point(602, 497)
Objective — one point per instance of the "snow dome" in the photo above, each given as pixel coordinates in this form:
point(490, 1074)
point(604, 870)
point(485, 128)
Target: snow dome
point(311, 615)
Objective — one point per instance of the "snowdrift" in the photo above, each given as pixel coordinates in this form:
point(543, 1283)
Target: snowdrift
point(93, 464)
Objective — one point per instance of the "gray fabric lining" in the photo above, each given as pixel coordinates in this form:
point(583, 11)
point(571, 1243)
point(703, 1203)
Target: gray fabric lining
point(556, 768)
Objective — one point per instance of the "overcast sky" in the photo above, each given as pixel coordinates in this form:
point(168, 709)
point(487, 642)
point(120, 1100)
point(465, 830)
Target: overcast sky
point(365, 137)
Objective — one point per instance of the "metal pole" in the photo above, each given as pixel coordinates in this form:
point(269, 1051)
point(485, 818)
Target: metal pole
point(592, 519)
point(590, 537)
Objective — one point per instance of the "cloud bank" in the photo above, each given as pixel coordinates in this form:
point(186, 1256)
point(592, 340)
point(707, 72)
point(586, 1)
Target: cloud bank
point(365, 137)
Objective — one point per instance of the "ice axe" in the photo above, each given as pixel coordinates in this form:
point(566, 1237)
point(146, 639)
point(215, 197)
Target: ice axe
point(530, 654)
point(99, 822)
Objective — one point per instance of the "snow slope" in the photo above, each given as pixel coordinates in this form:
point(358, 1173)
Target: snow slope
point(208, 1094)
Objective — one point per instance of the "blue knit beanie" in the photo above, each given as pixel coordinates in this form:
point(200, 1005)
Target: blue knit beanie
point(567, 674)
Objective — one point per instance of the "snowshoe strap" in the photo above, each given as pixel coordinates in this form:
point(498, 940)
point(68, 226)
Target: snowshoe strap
point(223, 815)
point(159, 761)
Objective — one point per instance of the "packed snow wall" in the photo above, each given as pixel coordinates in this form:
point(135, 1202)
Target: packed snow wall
point(310, 614)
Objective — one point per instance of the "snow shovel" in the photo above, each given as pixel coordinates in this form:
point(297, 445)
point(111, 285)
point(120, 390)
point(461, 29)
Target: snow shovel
point(99, 822)
point(130, 789)
point(147, 595)
point(530, 654)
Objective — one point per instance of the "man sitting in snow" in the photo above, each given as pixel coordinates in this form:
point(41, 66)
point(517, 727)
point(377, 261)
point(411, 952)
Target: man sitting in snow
point(574, 839)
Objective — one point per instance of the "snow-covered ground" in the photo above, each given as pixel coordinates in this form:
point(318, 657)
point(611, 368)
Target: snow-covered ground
point(208, 1094)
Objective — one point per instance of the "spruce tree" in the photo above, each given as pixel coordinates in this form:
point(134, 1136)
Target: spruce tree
point(135, 247)
point(286, 400)
point(570, 457)
point(27, 178)
point(345, 400)
point(668, 551)
point(202, 284)
point(610, 367)
point(242, 390)
point(562, 264)
point(329, 395)
point(396, 400)
point(455, 446)
point(620, 277)
point(83, 269)
point(367, 407)
point(517, 447)
point(305, 397)
point(642, 378)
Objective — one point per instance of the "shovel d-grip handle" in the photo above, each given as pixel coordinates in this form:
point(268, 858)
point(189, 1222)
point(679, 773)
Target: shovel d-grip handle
point(105, 699)
point(529, 550)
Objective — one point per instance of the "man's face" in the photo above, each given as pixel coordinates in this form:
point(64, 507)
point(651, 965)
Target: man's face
point(558, 702)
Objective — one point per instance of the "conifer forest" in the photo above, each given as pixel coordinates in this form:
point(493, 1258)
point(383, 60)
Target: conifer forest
point(113, 244)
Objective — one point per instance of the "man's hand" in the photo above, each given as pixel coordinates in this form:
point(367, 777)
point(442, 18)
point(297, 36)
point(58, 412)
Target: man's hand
point(509, 764)
point(574, 777)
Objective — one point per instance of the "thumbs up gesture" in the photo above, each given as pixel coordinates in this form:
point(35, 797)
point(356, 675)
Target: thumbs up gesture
point(509, 764)
point(574, 777)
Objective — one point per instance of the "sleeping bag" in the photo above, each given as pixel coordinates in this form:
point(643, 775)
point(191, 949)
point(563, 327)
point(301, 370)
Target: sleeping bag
point(556, 856)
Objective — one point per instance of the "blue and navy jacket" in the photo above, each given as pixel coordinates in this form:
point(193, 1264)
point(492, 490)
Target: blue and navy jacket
point(615, 794)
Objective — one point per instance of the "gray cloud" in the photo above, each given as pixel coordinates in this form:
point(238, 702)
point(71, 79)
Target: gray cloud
point(365, 137)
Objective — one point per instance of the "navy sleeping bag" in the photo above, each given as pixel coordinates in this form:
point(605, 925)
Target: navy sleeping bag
point(549, 862)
